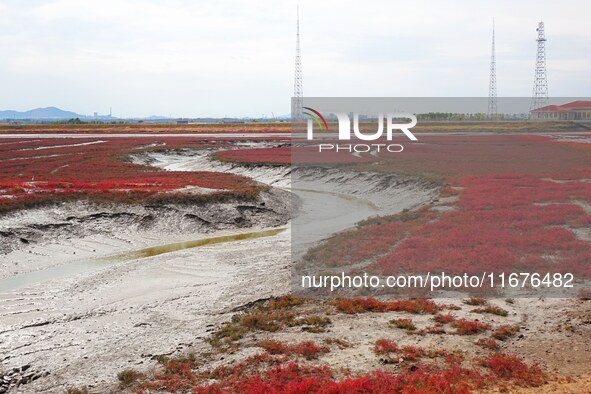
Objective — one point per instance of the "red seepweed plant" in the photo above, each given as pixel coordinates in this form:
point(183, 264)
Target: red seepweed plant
point(362, 305)
point(307, 349)
point(469, 327)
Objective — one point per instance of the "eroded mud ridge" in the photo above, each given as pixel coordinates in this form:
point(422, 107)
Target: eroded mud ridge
point(388, 192)
point(201, 160)
point(270, 208)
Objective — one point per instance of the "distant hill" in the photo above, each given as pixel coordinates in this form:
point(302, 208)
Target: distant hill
point(156, 117)
point(39, 113)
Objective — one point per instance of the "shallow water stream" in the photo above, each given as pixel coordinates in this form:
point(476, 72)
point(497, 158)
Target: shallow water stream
point(86, 265)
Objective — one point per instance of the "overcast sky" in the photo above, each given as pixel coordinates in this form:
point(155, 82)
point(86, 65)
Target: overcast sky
point(236, 58)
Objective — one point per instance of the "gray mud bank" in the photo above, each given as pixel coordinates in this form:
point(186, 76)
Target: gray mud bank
point(82, 329)
point(76, 220)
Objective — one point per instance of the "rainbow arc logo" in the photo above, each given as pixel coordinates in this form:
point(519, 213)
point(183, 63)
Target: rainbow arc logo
point(317, 117)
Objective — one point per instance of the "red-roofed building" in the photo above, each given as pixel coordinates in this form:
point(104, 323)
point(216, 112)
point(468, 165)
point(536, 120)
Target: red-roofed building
point(576, 110)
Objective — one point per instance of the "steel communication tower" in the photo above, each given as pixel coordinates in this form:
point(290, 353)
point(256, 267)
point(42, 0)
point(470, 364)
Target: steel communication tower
point(540, 92)
point(298, 87)
point(492, 82)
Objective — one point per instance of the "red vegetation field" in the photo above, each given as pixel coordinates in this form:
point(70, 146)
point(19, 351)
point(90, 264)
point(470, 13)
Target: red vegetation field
point(265, 373)
point(146, 128)
point(38, 171)
point(475, 155)
point(511, 203)
point(260, 156)
point(502, 223)
point(285, 155)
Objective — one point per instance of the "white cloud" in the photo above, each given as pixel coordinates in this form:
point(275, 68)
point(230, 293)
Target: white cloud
point(227, 57)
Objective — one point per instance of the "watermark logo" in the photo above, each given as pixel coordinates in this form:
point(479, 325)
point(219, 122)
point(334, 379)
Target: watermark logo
point(391, 121)
point(317, 117)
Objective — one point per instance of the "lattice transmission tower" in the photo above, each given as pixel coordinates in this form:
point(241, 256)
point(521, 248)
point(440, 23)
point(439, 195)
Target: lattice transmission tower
point(540, 92)
point(492, 82)
point(298, 86)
